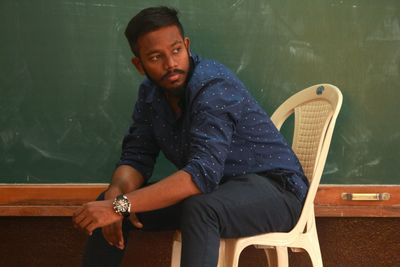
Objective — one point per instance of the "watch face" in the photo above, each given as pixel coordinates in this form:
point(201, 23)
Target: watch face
point(122, 205)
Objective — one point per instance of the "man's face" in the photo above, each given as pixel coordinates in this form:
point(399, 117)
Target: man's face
point(164, 58)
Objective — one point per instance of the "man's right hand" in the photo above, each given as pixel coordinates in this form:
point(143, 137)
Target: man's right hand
point(113, 233)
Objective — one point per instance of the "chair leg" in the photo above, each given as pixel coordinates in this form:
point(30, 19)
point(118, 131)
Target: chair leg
point(277, 256)
point(313, 249)
point(314, 253)
point(221, 254)
point(309, 243)
point(316, 257)
point(176, 250)
point(283, 257)
point(272, 256)
point(232, 253)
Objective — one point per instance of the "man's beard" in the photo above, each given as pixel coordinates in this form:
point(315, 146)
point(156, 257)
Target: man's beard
point(177, 91)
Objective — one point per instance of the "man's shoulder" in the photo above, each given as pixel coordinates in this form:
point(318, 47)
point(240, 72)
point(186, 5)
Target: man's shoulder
point(212, 80)
point(209, 69)
point(208, 72)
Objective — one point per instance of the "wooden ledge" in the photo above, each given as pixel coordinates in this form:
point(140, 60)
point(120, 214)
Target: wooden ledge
point(63, 199)
point(46, 199)
point(329, 202)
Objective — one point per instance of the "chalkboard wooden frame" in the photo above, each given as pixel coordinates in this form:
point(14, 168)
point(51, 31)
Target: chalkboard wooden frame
point(63, 199)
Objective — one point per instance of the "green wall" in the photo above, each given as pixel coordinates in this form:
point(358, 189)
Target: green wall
point(67, 87)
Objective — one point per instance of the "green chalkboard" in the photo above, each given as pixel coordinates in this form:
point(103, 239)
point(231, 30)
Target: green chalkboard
point(67, 87)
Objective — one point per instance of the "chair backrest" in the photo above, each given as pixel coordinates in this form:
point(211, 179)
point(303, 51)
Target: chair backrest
point(315, 109)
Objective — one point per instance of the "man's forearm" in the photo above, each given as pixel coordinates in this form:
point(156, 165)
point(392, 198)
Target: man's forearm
point(164, 193)
point(125, 179)
point(167, 192)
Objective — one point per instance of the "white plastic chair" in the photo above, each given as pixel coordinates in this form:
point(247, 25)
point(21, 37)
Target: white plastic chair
point(315, 109)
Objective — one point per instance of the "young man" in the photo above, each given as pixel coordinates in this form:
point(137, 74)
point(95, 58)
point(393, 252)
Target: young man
point(236, 174)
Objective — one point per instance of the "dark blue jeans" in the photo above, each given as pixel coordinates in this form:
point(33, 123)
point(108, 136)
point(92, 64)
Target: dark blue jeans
point(242, 206)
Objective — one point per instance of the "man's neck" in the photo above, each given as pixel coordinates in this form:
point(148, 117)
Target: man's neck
point(173, 101)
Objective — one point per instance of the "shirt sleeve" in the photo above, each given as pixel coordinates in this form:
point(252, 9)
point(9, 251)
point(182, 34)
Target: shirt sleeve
point(215, 113)
point(139, 148)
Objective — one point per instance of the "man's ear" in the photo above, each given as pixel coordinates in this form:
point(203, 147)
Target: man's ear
point(138, 65)
point(187, 43)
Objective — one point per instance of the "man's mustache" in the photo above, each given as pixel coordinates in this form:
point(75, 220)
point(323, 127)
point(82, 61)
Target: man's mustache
point(172, 72)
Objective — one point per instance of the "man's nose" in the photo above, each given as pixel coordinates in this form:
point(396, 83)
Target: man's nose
point(170, 62)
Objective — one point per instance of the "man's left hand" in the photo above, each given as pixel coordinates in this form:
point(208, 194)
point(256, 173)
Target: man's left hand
point(95, 214)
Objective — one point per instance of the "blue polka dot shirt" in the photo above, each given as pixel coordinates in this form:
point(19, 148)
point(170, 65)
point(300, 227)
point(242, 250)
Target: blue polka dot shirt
point(222, 132)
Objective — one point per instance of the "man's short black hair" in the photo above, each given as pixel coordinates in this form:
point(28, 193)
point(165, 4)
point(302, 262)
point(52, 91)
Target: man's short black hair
point(148, 20)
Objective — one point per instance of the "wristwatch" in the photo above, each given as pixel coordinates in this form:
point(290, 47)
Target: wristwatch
point(122, 205)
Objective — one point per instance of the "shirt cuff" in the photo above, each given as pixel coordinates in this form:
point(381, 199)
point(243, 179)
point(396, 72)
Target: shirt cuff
point(145, 172)
point(204, 183)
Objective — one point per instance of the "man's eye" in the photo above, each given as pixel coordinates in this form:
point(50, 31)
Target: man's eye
point(155, 58)
point(176, 50)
